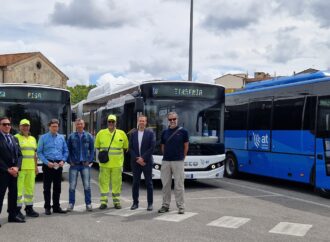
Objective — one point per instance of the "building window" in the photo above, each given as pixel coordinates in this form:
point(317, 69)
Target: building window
point(38, 65)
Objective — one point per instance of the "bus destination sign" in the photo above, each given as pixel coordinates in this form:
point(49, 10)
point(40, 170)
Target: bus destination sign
point(186, 91)
point(29, 94)
point(34, 95)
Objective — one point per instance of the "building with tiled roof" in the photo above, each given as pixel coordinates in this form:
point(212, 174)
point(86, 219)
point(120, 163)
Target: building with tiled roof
point(231, 81)
point(32, 67)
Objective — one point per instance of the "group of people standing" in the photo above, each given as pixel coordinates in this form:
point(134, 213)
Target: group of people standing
point(19, 154)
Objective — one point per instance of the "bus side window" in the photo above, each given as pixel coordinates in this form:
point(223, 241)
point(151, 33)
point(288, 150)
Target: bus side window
point(236, 117)
point(310, 114)
point(288, 114)
point(260, 115)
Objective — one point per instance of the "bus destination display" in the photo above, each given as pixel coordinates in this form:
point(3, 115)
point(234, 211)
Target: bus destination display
point(30, 94)
point(197, 91)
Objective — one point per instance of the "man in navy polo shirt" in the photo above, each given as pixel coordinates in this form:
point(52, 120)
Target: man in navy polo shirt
point(174, 146)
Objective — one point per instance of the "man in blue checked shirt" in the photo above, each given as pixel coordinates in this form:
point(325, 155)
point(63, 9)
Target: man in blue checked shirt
point(53, 152)
point(81, 155)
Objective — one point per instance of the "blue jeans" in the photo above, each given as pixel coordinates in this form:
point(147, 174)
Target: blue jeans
point(85, 177)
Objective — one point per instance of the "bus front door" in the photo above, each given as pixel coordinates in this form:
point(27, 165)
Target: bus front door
point(258, 140)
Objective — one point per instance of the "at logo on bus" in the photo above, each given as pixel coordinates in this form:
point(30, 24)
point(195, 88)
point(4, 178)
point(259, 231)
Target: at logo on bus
point(260, 141)
point(154, 91)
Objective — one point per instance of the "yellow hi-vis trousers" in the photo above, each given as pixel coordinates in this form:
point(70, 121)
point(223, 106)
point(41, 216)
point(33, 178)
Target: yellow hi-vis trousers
point(25, 187)
point(107, 176)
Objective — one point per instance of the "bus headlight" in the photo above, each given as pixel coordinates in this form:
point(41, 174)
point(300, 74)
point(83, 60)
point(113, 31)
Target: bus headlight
point(157, 167)
point(213, 166)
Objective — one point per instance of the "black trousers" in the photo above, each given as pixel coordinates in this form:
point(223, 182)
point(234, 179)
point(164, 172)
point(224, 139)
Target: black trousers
point(10, 182)
point(52, 176)
point(147, 172)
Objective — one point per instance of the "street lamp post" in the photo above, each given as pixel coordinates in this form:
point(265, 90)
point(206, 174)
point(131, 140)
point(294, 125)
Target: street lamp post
point(191, 42)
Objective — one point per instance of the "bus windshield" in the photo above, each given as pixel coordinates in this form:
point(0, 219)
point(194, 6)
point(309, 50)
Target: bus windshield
point(200, 117)
point(39, 114)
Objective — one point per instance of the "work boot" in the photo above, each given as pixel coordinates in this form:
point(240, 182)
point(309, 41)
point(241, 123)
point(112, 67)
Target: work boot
point(103, 206)
point(117, 206)
point(30, 212)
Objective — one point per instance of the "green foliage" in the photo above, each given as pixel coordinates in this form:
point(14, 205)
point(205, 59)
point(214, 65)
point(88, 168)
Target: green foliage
point(79, 92)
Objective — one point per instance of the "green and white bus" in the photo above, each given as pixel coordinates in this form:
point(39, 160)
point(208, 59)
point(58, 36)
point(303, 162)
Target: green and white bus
point(37, 103)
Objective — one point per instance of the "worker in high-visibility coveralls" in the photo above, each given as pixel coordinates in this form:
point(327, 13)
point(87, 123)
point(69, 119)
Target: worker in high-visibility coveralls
point(29, 170)
point(115, 141)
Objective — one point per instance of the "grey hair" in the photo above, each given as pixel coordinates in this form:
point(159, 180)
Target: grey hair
point(172, 113)
point(79, 120)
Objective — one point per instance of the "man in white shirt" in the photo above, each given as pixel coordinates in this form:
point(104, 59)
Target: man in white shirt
point(141, 146)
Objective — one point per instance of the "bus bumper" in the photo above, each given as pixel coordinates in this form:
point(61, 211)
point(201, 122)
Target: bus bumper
point(196, 167)
point(216, 173)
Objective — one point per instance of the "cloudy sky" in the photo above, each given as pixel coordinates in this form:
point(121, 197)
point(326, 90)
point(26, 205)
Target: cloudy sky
point(93, 41)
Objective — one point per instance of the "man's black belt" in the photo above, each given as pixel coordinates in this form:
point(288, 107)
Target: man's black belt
point(79, 163)
point(56, 161)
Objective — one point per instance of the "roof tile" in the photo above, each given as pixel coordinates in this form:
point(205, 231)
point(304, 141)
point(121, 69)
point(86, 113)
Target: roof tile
point(9, 59)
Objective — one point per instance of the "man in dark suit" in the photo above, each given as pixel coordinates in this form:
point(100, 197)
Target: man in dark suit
point(141, 146)
point(10, 161)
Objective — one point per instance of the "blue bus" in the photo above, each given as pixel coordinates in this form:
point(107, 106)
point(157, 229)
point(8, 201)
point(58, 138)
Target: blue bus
point(281, 128)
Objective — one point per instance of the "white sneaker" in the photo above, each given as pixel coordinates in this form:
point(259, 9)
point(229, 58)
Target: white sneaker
point(89, 208)
point(70, 207)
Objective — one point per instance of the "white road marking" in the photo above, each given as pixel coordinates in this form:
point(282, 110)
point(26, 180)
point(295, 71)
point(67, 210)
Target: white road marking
point(279, 194)
point(42, 203)
point(82, 207)
point(126, 212)
point(175, 217)
point(293, 229)
point(229, 222)
point(228, 197)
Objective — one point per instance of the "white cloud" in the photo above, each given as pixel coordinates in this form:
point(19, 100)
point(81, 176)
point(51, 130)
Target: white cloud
point(80, 73)
point(92, 14)
point(128, 40)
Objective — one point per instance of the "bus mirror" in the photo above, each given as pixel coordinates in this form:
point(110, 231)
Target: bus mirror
point(139, 105)
point(73, 116)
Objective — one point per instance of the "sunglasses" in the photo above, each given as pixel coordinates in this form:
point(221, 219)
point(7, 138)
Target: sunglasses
point(171, 119)
point(6, 124)
point(111, 121)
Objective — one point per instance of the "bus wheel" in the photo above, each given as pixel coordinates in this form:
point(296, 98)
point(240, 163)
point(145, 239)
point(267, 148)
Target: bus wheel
point(231, 170)
point(323, 192)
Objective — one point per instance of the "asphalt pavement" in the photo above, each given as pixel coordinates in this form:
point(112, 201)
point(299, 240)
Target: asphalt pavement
point(247, 209)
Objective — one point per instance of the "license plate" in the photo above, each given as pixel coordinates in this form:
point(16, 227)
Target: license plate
point(189, 176)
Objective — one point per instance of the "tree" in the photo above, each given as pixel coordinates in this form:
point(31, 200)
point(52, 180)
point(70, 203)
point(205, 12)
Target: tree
point(79, 92)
